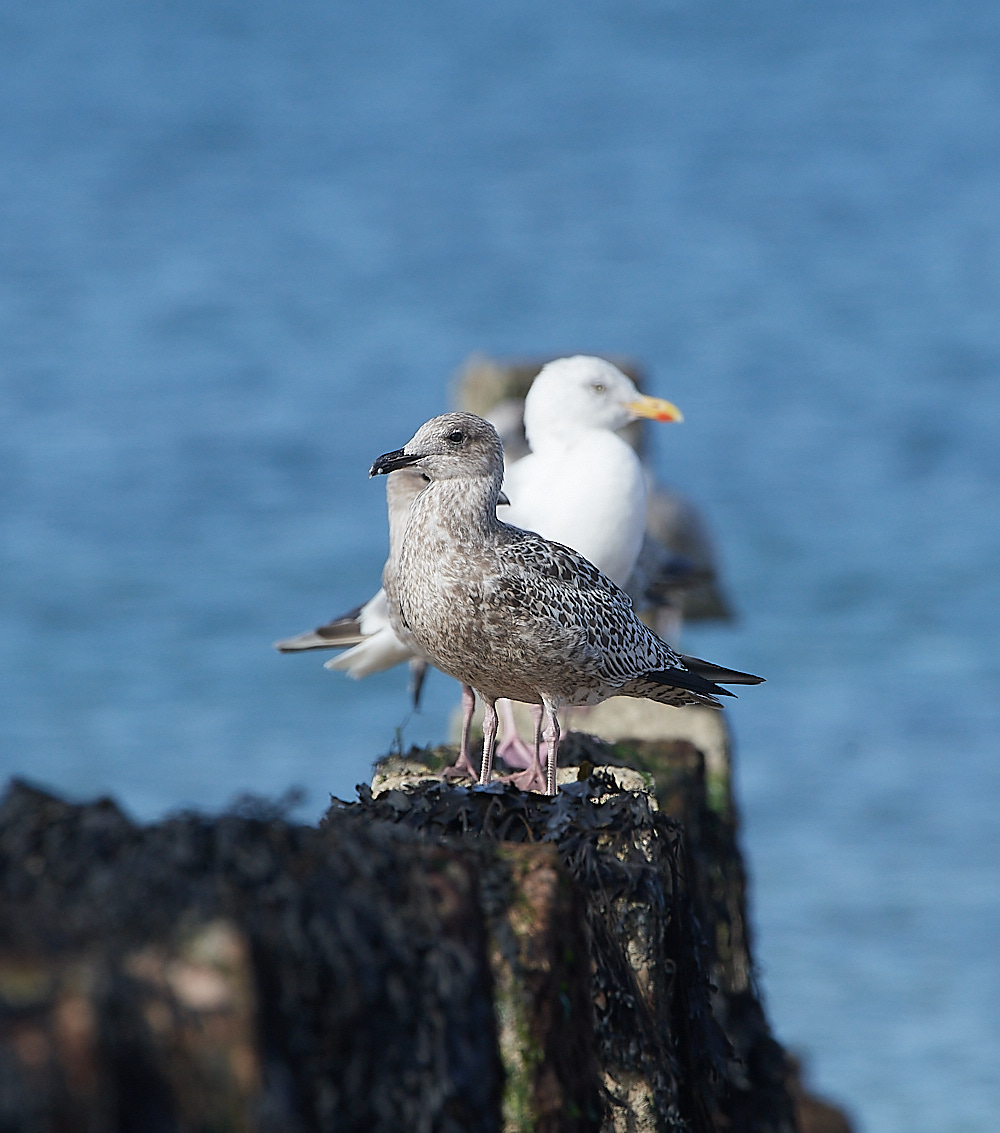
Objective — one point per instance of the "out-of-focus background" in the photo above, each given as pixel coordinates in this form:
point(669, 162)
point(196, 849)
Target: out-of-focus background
point(245, 247)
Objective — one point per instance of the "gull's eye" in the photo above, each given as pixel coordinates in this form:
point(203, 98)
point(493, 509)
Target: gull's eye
point(598, 387)
point(456, 437)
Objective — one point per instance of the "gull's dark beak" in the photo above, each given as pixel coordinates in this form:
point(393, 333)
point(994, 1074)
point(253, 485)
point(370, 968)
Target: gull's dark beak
point(390, 461)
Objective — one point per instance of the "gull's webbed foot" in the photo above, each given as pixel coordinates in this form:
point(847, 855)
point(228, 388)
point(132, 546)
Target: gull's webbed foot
point(461, 769)
point(531, 779)
point(516, 753)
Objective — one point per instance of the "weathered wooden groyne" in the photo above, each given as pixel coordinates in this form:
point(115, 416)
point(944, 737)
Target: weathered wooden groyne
point(430, 957)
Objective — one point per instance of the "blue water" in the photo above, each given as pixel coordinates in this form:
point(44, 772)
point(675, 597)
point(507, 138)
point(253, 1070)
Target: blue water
point(245, 247)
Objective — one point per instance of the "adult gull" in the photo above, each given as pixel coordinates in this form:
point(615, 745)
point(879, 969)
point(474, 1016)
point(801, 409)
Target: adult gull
point(582, 484)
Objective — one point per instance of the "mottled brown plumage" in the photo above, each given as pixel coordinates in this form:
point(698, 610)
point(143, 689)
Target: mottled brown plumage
point(506, 611)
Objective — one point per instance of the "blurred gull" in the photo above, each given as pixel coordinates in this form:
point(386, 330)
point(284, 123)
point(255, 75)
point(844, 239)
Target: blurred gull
point(374, 645)
point(366, 629)
point(580, 484)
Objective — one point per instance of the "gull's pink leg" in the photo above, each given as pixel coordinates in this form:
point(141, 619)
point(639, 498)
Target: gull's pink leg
point(552, 738)
point(533, 778)
point(512, 749)
point(463, 767)
point(489, 740)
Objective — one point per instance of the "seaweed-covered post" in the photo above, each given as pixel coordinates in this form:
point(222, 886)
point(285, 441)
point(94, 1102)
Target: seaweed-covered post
point(431, 958)
point(663, 1054)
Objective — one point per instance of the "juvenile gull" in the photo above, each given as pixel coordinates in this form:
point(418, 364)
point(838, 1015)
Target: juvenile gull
point(508, 612)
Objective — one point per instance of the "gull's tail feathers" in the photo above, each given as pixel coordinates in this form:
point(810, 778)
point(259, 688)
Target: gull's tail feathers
point(374, 653)
point(337, 634)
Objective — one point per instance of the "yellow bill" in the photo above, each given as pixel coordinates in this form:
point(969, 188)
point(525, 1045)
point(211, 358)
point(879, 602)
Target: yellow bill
point(655, 408)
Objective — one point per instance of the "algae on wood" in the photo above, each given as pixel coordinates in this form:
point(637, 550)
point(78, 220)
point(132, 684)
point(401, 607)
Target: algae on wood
point(433, 958)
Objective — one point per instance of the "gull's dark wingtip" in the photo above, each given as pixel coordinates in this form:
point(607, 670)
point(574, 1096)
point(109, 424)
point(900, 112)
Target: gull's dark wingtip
point(687, 679)
point(719, 673)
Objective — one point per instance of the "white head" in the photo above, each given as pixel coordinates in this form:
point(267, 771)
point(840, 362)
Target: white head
point(575, 394)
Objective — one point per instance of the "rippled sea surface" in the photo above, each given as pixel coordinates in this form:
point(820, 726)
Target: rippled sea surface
point(245, 247)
